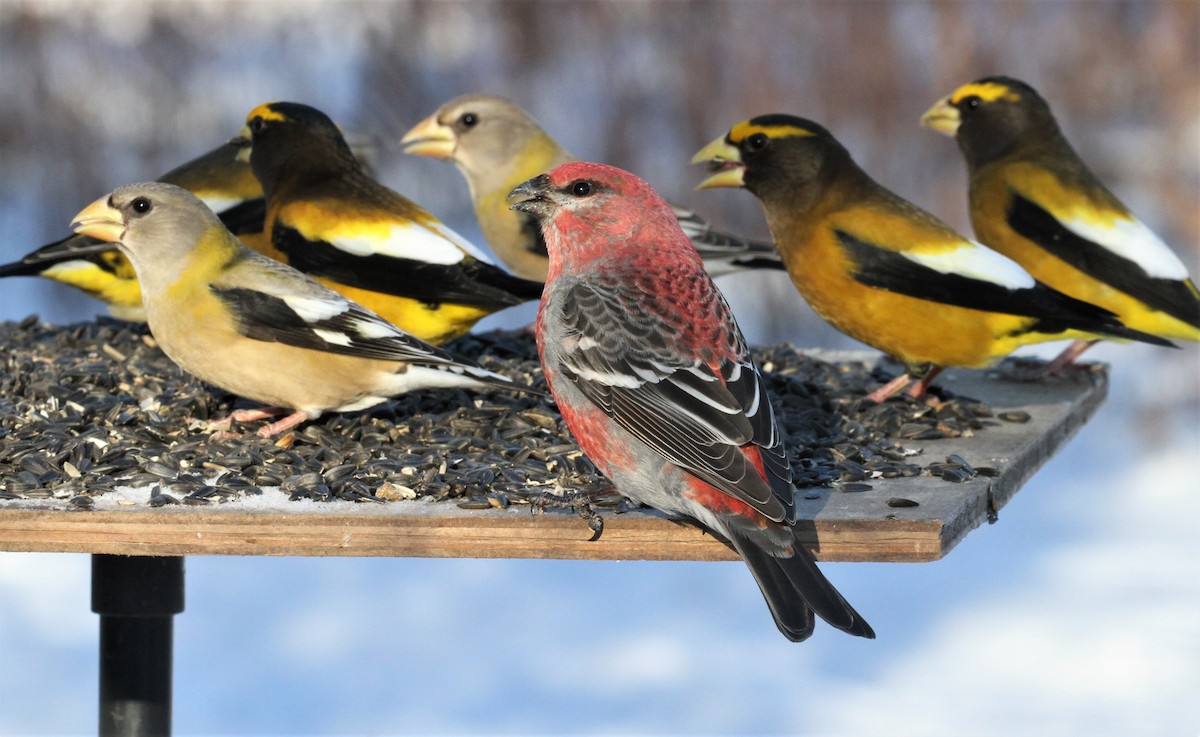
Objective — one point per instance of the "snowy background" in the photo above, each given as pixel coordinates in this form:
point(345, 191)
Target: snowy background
point(1077, 614)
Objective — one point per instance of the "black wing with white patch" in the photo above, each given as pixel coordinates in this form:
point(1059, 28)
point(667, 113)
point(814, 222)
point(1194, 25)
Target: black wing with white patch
point(1175, 297)
point(1053, 311)
point(622, 357)
point(327, 323)
point(467, 282)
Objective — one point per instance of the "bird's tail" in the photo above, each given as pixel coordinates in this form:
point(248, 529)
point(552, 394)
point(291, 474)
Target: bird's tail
point(795, 588)
point(1071, 313)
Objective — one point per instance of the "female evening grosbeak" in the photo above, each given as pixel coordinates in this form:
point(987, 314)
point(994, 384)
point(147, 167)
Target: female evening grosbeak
point(655, 381)
point(882, 270)
point(329, 219)
point(1035, 201)
point(497, 145)
point(219, 178)
point(256, 327)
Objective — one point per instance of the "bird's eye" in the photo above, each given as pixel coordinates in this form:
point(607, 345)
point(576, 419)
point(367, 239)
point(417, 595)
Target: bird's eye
point(756, 142)
point(581, 188)
point(970, 103)
point(141, 205)
point(468, 120)
point(257, 124)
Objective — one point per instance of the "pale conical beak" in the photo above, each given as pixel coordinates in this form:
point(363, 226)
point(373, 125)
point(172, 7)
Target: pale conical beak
point(725, 160)
point(942, 117)
point(243, 142)
point(101, 221)
point(430, 138)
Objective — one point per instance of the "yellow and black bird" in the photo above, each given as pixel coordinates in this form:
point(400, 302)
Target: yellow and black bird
point(884, 271)
point(1035, 201)
point(497, 145)
point(329, 219)
point(222, 181)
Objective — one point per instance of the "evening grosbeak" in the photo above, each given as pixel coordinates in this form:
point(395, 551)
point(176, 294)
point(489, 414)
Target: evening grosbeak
point(218, 178)
point(654, 379)
point(1035, 201)
point(882, 270)
point(497, 145)
point(329, 219)
point(256, 327)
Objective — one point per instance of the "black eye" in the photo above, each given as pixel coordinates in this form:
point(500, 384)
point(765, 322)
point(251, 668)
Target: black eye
point(581, 188)
point(970, 103)
point(756, 142)
point(257, 124)
point(468, 120)
point(141, 205)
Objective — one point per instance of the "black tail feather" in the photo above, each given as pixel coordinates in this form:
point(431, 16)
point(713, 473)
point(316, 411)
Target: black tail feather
point(795, 588)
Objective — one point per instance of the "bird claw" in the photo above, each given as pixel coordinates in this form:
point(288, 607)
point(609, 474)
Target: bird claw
point(578, 501)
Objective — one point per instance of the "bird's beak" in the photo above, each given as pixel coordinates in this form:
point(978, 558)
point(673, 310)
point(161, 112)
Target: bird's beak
point(530, 197)
point(942, 117)
point(724, 159)
point(429, 138)
point(243, 141)
point(101, 221)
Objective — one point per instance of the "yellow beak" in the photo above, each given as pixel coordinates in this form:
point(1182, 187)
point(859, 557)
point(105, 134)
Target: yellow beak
point(942, 117)
point(243, 141)
point(724, 159)
point(101, 221)
point(430, 138)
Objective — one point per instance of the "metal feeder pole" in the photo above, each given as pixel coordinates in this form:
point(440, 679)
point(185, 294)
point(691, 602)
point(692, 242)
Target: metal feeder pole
point(136, 598)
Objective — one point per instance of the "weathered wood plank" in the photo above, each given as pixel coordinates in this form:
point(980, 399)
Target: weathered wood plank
point(858, 526)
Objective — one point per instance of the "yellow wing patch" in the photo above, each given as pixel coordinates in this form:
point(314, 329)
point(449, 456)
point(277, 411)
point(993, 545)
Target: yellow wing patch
point(985, 91)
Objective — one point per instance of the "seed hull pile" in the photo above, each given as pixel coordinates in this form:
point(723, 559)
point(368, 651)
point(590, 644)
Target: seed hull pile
point(90, 407)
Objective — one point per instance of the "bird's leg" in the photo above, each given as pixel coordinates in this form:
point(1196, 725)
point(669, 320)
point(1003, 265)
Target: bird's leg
point(1068, 356)
point(580, 501)
point(920, 390)
point(287, 423)
point(889, 389)
point(224, 426)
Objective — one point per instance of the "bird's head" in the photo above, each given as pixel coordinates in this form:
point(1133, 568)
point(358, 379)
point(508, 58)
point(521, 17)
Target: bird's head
point(152, 222)
point(484, 135)
point(989, 116)
point(289, 138)
point(590, 209)
point(769, 155)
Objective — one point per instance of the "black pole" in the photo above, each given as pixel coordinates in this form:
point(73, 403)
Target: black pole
point(136, 598)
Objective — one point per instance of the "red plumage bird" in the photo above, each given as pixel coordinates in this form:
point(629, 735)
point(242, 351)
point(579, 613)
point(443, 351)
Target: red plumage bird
point(654, 378)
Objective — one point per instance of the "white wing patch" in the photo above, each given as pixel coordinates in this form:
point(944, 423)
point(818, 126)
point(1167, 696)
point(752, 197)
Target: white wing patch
point(976, 261)
point(316, 309)
point(375, 329)
point(433, 243)
point(1132, 240)
point(333, 337)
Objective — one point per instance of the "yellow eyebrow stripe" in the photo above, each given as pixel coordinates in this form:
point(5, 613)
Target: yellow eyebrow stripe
point(265, 112)
point(746, 128)
point(986, 91)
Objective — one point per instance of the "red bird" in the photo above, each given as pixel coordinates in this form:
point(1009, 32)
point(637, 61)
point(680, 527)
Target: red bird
point(653, 377)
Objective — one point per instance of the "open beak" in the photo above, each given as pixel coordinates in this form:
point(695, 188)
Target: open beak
point(942, 117)
point(430, 138)
point(101, 221)
point(530, 197)
point(725, 161)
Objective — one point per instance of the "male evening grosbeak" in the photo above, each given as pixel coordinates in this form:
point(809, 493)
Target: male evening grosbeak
point(254, 326)
point(329, 219)
point(497, 145)
point(1035, 201)
point(654, 379)
point(219, 178)
point(882, 270)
